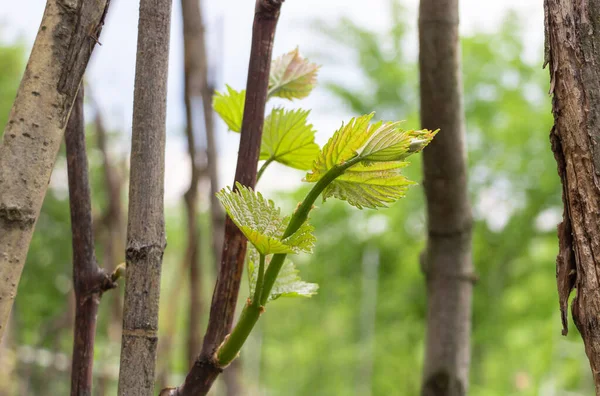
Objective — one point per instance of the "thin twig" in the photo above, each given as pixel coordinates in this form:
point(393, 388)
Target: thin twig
point(205, 371)
point(89, 280)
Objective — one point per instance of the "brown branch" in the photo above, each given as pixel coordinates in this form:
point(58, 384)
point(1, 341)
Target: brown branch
point(194, 80)
point(146, 224)
point(35, 128)
point(199, 90)
point(447, 259)
point(204, 372)
point(89, 281)
point(111, 222)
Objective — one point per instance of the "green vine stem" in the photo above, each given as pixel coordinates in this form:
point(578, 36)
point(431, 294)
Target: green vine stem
point(259, 281)
point(262, 168)
point(232, 344)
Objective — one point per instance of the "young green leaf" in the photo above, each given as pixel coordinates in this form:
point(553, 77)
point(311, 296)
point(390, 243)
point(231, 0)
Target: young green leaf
point(288, 139)
point(288, 283)
point(370, 186)
point(379, 148)
point(260, 221)
point(230, 107)
point(387, 142)
point(342, 146)
point(292, 77)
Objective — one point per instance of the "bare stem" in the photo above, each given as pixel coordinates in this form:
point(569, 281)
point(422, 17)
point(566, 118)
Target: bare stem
point(204, 372)
point(259, 281)
point(263, 168)
point(146, 224)
point(89, 280)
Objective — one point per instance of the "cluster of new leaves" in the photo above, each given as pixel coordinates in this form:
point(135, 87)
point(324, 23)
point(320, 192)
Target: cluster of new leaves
point(379, 150)
point(263, 226)
point(287, 137)
point(361, 163)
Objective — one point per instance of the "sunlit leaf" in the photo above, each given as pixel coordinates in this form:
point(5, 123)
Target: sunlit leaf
point(342, 146)
point(230, 107)
point(289, 139)
point(379, 148)
point(387, 142)
point(288, 282)
point(261, 222)
point(370, 186)
point(292, 76)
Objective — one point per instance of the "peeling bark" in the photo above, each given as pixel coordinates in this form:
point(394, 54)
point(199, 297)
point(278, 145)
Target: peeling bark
point(65, 40)
point(447, 259)
point(573, 55)
point(146, 226)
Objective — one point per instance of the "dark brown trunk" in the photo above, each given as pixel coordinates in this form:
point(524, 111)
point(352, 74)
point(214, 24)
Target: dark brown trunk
point(572, 35)
point(89, 281)
point(146, 225)
point(204, 372)
point(447, 259)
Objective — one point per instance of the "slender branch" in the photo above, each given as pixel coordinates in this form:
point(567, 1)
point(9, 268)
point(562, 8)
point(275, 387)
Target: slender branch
point(89, 280)
point(205, 371)
point(146, 224)
point(112, 220)
point(192, 254)
point(263, 168)
point(259, 281)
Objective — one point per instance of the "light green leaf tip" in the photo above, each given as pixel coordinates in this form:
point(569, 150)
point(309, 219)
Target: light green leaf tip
point(288, 282)
point(376, 180)
point(288, 139)
point(292, 76)
point(342, 146)
point(230, 107)
point(261, 222)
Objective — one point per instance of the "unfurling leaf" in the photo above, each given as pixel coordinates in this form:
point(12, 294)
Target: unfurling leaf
point(292, 77)
point(288, 139)
point(341, 147)
point(378, 150)
point(261, 222)
point(288, 282)
point(389, 142)
point(230, 107)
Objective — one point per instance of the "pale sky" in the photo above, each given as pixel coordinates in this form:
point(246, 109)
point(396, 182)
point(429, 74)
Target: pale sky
point(229, 22)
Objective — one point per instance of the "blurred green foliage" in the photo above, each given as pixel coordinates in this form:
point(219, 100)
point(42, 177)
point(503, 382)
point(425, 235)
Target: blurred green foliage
point(11, 64)
point(363, 333)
